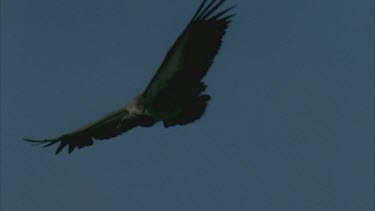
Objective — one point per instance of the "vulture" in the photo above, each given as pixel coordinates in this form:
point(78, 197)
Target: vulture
point(175, 95)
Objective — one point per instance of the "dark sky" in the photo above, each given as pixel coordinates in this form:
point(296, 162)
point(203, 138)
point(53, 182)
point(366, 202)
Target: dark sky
point(289, 127)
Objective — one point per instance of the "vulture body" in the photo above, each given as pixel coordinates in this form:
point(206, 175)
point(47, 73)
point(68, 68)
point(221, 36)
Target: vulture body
point(175, 93)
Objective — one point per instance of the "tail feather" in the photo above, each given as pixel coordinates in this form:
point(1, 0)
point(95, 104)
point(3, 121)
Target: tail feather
point(192, 112)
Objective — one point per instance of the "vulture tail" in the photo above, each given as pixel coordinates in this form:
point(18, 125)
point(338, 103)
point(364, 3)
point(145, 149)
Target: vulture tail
point(190, 113)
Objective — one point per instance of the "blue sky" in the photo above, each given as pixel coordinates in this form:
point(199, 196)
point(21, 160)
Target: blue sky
point(289, 127)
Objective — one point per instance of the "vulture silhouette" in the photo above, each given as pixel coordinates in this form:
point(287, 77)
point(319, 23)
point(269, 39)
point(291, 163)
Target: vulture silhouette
point(175, 94)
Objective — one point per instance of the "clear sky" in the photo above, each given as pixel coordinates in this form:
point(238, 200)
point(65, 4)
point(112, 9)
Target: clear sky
point(289, 127)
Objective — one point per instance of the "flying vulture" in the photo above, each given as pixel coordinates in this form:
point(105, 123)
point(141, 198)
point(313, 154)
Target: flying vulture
point(175, 95)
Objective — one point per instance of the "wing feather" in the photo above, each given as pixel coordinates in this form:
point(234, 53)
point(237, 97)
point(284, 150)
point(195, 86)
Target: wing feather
point(178, 79)
point(199, 10)
point(206, 9)
point(110, 126)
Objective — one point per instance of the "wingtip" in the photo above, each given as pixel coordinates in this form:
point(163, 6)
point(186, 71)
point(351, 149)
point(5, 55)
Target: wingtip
point(228, 18)
point(34, 142)
point(199, 10)
point(29, 140)
point(48, 142)
point(219, 15)
point(205, 11)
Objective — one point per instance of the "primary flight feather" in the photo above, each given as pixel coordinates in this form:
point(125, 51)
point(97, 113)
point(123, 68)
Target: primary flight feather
point(175, 93)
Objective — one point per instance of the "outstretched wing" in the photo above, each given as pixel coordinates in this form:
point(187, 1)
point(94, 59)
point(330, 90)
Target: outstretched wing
point(178, 80)
point(110, 126)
